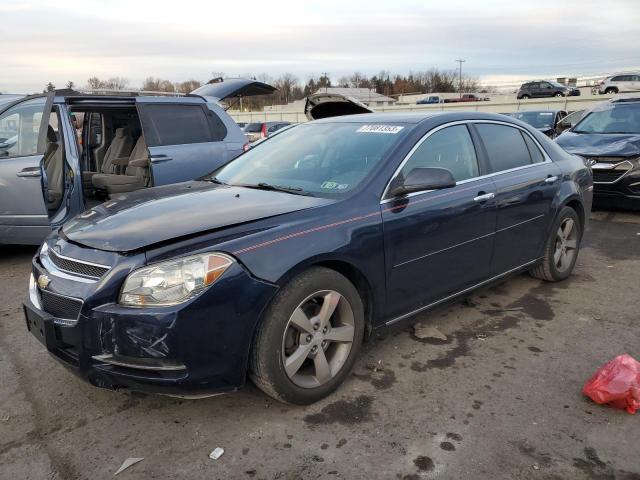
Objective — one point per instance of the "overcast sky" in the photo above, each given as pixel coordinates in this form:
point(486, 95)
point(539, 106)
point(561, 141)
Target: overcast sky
point(502, 41)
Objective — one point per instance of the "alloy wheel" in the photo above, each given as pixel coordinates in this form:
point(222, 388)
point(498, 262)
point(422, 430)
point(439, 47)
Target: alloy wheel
point(566, 245)
point(318, 338)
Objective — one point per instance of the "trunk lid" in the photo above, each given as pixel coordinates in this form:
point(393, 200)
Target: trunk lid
point(325, 105)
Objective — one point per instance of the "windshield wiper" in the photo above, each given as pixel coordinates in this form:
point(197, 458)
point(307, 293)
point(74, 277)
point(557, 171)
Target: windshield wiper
point(276, 188)
point(215, 180)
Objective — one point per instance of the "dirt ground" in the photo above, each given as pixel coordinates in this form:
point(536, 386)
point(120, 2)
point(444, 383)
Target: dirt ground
point(500, 398)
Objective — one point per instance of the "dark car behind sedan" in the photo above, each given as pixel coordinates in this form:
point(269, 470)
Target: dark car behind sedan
point(544, 88)
point(278, 265)
point(608, 138)
point(546, 121)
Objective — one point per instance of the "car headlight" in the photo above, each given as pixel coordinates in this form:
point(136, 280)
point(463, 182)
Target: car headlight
point(173, 282)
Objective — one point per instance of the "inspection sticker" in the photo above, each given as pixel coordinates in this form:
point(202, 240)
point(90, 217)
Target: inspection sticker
point(379, 129)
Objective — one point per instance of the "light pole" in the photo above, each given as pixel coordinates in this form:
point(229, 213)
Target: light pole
point(460, 61)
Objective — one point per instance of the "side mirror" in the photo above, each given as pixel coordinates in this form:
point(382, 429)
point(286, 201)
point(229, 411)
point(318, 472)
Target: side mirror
point(421, 179)
point(561, 127)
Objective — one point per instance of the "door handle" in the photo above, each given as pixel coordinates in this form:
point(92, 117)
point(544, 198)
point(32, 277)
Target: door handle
point(483, 197)
point(551, 179)
point(29, 172)
point(160, 159)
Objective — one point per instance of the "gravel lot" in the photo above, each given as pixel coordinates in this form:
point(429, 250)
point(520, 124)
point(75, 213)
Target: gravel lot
point(499, 398)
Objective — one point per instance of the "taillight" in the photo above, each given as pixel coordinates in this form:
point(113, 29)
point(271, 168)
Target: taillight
point(263, 132)
point(245, 147)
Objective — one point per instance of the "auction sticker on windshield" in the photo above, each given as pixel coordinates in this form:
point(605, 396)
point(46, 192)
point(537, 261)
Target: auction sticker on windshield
point(379, 129)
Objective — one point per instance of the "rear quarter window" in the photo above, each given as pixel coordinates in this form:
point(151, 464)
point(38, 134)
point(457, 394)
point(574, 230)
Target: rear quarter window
point(171, 124)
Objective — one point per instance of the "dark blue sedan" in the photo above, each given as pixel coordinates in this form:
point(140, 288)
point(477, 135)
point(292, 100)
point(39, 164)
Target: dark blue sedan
point(278, 265)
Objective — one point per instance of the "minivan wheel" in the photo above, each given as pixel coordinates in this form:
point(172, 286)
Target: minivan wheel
point(610, 91)
point(524, 97)
point(309, 338)
point(558, 94)
point(561, 249)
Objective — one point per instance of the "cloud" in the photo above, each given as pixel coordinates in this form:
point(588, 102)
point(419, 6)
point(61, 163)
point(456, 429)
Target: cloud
point(45, 40)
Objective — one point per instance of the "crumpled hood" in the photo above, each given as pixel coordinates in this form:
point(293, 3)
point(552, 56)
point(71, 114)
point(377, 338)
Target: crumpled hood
point(146, 217)
point(600, 145)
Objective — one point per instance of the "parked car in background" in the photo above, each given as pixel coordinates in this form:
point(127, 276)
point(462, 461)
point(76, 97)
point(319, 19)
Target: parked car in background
point(129, 142)
point(242, 125)
point(620, 83)
point(545, 121)
point(280, 263)
point(569, 121)
point(325, 105)
point(258, 130)
point(428, 100)
point(545, 88)
point(608, 138)
point(467, 97)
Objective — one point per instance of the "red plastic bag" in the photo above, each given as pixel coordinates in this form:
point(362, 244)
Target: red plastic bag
point(617, 384)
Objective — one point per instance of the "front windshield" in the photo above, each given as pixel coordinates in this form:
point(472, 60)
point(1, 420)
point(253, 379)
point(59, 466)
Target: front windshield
point(325, 159)
point(536, 119)
point(611, 118)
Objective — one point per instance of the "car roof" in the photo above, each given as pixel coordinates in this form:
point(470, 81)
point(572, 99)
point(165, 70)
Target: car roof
point(414, 117)
point(542, 110)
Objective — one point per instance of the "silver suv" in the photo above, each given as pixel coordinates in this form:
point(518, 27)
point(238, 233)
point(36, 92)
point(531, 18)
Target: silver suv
point(622, 82)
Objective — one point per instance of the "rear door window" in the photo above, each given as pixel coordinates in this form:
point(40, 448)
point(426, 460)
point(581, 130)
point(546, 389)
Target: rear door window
point(174, 124)
point(506, 149)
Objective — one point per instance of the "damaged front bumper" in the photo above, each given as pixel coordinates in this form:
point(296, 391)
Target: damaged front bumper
point(197, 348)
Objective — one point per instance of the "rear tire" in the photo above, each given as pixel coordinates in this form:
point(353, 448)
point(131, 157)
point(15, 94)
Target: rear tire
point(558, 94)
point(610, 91)
point(562, 248)
point(525, 97)
point(309, 338)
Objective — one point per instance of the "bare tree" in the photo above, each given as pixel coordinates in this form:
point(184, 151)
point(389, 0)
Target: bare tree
point(49, 87)
point(188, 86)
point(70, 84)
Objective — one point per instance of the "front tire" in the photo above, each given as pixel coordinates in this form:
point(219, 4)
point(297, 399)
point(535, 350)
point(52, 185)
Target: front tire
point(524, 97)
point(558, 94)
point(562, 248)
point(610, 91)
point(309, 338)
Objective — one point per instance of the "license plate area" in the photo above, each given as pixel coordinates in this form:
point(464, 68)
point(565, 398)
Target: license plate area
point(40, 324)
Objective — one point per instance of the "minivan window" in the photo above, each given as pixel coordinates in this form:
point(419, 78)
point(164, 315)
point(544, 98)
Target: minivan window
point(504, 145)
point(19, 129)
point(171, 124)
point(325, 159)
point(450, 148)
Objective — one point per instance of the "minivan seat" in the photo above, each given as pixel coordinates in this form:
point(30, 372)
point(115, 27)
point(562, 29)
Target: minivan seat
point(54, 168)
point(117, 154)
point(136, 175)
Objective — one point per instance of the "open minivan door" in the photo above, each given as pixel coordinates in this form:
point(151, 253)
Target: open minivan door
point(25, 142)
point(325, 105)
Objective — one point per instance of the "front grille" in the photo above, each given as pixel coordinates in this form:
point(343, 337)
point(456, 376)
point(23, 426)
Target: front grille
point(77, 266)
point(60, 306)
point(607, 176)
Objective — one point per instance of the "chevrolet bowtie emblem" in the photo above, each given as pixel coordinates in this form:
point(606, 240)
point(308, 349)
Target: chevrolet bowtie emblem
point(43, 281)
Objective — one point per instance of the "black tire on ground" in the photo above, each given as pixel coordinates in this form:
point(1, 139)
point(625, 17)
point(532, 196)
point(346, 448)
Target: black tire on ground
point(610, 90)
point(558, 94)
point(549, 268)
point(524, 97)
point(267, 358)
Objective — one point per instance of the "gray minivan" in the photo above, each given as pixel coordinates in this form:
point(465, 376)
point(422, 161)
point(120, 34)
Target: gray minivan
point(64, 152)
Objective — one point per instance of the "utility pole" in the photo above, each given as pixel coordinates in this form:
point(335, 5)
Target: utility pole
point(460, 61)
point(326, 81)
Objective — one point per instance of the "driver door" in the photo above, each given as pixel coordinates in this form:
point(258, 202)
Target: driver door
point(23, 213)
point(439, 242)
